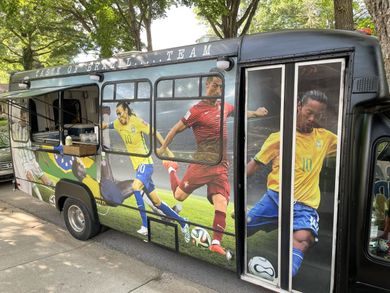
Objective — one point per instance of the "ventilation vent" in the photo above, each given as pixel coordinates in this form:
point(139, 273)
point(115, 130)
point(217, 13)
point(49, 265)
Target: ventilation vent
point(365, 84)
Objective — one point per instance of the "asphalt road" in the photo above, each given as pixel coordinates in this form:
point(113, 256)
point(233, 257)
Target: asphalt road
point(177, 265)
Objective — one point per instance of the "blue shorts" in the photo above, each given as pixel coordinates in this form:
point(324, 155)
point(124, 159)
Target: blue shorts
point(264, 215)
point(144, 174)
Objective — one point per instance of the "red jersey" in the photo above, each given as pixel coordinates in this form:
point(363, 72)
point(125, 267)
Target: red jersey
point(205, 121)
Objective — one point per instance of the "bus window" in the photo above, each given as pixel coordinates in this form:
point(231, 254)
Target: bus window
point(108, 92)
point(126, 117)
point(20, 119)
point(378, 245)
point(79, 115)
point(45, 129)
point(144, 90)
point(125, 91)
point(187, 87)
point(264, 88)
point(202, 144)
point(318, 97)
point(165, 89)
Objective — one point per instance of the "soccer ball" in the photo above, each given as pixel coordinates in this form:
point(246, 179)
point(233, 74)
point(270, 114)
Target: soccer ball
point(260, 266)
point(200, 237)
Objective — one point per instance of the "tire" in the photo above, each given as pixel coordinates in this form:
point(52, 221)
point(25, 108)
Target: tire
point(79, 220)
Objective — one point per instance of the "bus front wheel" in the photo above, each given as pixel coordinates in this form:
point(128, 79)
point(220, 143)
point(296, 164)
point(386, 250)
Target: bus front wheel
point(79, 220)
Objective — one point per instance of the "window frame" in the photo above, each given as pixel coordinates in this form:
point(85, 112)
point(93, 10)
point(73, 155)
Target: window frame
point(199, 97)
point(135, 100)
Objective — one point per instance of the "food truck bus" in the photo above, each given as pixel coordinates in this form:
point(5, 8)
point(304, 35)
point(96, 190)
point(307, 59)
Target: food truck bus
point(267, 155)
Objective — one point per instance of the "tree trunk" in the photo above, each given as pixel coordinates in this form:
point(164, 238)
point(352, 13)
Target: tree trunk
point(343, 14)
point(135, 26)
point(148, 28)
point(27, 58)
point(380, 12)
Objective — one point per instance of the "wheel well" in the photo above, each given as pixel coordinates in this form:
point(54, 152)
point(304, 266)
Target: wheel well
point(66, 188)
point(61, 202)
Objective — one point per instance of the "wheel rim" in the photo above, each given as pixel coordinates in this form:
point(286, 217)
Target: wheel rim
point(76, 218)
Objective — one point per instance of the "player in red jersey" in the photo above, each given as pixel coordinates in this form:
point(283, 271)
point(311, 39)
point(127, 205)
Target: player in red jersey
point(205, 121)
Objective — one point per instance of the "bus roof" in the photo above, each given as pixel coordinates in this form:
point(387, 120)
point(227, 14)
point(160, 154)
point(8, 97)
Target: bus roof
point(290, 44)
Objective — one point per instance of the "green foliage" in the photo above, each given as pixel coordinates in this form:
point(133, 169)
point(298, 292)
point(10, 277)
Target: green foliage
point(41, 33)
point(227, 18)
point(33, 34)
point(361, 17)
point(293, 14)
point(301, 14)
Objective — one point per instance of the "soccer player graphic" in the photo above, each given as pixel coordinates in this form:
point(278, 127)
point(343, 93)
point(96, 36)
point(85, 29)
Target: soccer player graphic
point(204, 119)
point(131, 128)
point(32, 170)
point(313, 144)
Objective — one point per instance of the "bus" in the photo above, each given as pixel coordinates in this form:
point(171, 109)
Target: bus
point(267, 155)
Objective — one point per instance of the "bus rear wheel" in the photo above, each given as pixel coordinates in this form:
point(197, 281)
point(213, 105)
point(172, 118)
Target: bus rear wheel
point(79, 220)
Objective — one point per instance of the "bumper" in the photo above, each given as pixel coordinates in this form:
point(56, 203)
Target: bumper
point(6, 174)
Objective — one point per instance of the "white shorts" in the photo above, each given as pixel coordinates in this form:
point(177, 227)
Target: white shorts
point(34, 168)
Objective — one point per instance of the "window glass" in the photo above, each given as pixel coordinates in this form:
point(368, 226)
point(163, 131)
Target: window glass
point(201, 138)
point(44, 127)
point(125, 91)
point(264, 89)
point(126, 128)
point(108, 92)
point(187, 87)
point(380, 203)
point(144, 90)
point(164, 89)
point(214, 85)
point(319, 96)
point(20, 119)
point(79, 114)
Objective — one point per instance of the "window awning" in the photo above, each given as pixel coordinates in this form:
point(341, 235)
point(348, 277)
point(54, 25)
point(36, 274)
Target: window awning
point(37, 92)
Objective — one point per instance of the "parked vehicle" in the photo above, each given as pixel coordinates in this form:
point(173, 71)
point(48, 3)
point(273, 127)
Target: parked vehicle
point(6, 170)
point(286, 127)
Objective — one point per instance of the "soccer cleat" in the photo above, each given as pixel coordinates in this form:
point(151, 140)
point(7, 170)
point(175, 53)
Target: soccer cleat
point(177, 208)
point(170, 164)
point(143, 231)
point(186, 233)
point(218, 249)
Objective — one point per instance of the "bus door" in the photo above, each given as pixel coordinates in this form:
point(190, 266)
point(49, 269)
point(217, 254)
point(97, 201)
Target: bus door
point(371, 222)
point(290, 174)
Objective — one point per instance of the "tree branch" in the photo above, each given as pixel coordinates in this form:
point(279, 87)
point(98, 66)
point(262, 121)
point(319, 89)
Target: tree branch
point(249, 19)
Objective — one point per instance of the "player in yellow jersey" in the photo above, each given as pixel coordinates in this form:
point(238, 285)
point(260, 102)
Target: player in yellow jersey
point(132, 129)
point(313, 145)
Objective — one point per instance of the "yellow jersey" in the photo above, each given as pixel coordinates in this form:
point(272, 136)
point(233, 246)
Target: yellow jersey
point(132, 135)
point(310, 151)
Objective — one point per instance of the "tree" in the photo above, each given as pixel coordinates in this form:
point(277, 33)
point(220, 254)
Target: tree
point(227, 18)
point(343, 14)
point(116, 25)
point(33, 35)
point(361, 17)
point(380, 12)
point(292, 14)
point(102, 25)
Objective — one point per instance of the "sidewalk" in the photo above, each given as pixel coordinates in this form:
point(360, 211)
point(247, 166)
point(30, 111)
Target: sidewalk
point(38, 256)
